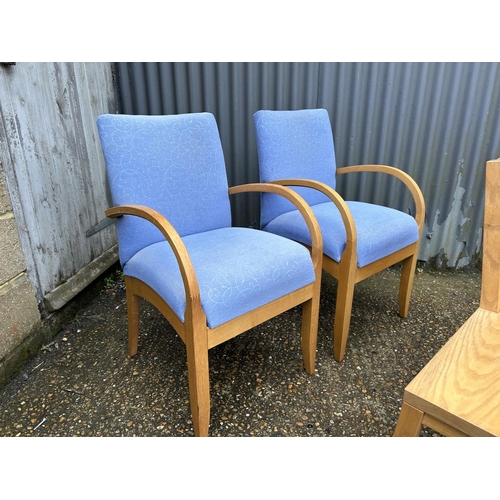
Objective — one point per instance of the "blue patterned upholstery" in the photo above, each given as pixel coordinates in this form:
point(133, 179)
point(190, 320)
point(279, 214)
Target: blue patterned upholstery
point(299, 144)
point(238, 270)
point(175, 165)
point(294, 145)
point(381, 230)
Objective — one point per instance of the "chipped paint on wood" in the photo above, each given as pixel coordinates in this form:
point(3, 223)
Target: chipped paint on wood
point(53, 164)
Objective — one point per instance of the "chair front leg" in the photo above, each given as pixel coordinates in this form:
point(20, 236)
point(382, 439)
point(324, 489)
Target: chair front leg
point(342, 321)
point(198, 374)
point(309, 334)
point(345, 295)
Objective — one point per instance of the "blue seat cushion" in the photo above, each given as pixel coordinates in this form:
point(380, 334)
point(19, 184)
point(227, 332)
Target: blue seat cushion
point(238, 270)
point(380, 230)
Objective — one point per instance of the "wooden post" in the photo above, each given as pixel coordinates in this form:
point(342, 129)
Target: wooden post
point(490, 287)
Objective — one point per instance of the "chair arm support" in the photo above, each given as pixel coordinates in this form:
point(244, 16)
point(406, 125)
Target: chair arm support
point(406, 179)
point(186, 268)
point(345, 213)
point(302, 207)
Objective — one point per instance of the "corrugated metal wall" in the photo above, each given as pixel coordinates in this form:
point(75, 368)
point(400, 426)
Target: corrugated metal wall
point(440, 122)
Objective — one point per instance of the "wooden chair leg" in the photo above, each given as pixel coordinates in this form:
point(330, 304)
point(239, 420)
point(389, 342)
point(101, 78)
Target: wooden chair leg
point(133, 318)
point(409, 422)
point(199, 385)
point(406, 283)
point(342, 321)
point(309, 335)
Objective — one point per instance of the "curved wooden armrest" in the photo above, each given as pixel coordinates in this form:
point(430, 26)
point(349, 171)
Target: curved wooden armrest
point(408, 181)
point(345, 213)
point(172, 236)
point(303, 208)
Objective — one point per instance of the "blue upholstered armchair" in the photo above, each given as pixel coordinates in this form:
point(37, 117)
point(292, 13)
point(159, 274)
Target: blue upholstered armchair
point(295, 148)
point(179, 251)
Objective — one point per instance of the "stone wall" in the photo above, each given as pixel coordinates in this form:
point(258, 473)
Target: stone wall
point(19, 313)
point(54, 237)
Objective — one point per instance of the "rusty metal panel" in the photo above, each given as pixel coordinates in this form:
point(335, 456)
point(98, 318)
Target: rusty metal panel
point(440, 122)
point(53, 164)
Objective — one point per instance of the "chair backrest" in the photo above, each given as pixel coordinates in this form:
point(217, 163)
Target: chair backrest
point(173, 164)
point(294, 144)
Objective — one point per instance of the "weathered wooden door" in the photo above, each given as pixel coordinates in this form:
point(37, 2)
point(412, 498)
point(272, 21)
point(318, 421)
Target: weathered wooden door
point(50, 153)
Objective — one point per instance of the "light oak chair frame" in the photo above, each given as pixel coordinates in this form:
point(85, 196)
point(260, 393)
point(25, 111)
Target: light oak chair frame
point(347, 271)
point(195, 333)
point(458, 392)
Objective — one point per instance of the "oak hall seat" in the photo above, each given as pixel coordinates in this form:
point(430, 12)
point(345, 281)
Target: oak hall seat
point(458, 392)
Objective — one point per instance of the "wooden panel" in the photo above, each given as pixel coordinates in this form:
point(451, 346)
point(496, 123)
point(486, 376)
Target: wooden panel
point(441, 427)
point(53, 164)
point(490, 289)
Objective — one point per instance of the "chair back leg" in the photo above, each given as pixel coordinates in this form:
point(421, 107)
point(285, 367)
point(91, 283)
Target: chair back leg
point(406, 282)
point(133, 317)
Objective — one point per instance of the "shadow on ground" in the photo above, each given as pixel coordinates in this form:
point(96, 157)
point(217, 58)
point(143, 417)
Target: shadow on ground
point(83, 384)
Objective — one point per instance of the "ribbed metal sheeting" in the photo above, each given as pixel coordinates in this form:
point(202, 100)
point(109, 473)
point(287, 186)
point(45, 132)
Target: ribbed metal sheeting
point(440, 122)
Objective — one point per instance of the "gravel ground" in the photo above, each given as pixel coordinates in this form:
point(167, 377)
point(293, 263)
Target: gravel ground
point(83, 383)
